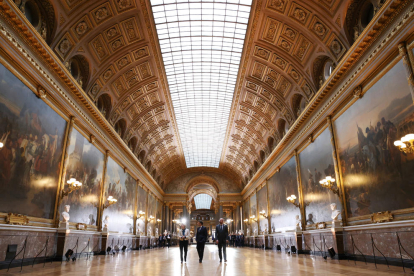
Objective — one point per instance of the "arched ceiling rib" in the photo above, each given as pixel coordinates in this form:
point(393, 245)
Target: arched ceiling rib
point(118, 38)
point(113, 37)
point(285, 39)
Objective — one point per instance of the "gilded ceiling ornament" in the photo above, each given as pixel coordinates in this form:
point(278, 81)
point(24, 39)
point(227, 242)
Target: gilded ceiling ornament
point(290, 33)
point(319, 29)
point(300, 15)
point(117, 44)
point(99, 48)
point(101, 14)
point(122, 62)
point(280, 63)
point(112, 32)
point(285, 45)
point(124, 4)
point(81, 28)
point(65, 46)
point(94, 90)
point(336, 47)
point(302, 49)
point(271, 31)
point(108, 74)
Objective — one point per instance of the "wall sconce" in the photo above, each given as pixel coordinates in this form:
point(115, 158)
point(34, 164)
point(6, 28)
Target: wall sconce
point(140, 214)
point(1, 145)
point(247, 221)
point(111, 201)
point(328, 183)
point(263, 214)
point(406, 144)
point(229, 221)
point(253, 218)
point(150, 218)
point(73, 185)
point(158, 220)
point(292, 199)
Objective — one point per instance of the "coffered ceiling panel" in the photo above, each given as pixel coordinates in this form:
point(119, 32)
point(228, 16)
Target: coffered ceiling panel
point(196, 84)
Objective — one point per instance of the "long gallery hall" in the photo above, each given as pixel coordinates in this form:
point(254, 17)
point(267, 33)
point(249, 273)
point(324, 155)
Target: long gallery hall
point(206, 137)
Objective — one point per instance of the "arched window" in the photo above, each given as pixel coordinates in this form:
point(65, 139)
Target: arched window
point(40, 14)
point(141, 156)
point(298, 104)
point(282, 128)
point(132, 143)
point(262, 156)
point(256, 165)
point(120, 127)
point(270, 143)
point(78, 66)
point(359, 14)
point(104, 104)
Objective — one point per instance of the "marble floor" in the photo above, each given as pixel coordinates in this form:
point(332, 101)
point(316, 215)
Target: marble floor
point(241, 261)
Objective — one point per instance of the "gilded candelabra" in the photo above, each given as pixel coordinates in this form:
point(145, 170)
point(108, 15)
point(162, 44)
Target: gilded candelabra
point(328, 183)
point(247, 221)
point(111, 201)
point(141, 214)
point(263, 214)
point(253, 218)
point(406, 144)
point(73, 185)
point(292, 199)
point(150, 218)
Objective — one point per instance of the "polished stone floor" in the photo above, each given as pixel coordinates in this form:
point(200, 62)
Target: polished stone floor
point(245, 261)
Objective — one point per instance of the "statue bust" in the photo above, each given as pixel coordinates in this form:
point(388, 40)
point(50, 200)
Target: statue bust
point(65, 214)
point(335, 212)
point(298, 223)
point(106, 222)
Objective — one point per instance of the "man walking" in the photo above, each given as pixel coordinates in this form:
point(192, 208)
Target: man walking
point(184, 235)
point(221, 238)
point(201, 238)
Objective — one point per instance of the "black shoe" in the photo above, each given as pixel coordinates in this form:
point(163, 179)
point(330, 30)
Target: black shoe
point(200, 261)
point(220, 260)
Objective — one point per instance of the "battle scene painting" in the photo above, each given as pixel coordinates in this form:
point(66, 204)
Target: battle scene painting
point(121, 186)
point(152, 207)
point(316, 163)
point(246, 215)
point(253, 212)
point(32, 134)
point(84, 163)
point(262, 205)
point(141, 203)
point(377, 176)
point(281, 185)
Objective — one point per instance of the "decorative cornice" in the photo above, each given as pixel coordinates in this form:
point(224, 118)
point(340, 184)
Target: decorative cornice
point(382, 19)
point(19, 23)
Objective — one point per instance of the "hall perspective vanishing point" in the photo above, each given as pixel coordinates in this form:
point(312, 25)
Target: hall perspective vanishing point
point(122, 120)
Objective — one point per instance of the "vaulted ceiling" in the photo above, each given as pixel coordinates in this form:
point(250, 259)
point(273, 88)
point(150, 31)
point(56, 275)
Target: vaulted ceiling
point(117, 45)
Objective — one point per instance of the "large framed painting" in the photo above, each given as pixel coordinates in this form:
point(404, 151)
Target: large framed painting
point(316, 163)
point(377, 176)
point(262, 205)
point(141, 206)
point(281, 185)
point(152, 207)
point(253, 212)
point(158, 216)
point(85, 163)
point(121, 186)
point(30, 161)
point(246, 215)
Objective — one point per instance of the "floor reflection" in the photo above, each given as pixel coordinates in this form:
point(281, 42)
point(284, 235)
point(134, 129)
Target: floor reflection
point(240, 261)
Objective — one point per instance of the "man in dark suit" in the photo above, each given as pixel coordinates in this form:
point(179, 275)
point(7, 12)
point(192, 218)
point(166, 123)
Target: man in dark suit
point(201, 238)
point(222, 233)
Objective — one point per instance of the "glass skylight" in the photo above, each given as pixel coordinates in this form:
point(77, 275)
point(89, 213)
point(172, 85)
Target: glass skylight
point(201, 44)
point(203, 201)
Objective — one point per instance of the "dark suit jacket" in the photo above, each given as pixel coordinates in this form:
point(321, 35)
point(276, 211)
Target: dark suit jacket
point(201, 235)
point(221, 235)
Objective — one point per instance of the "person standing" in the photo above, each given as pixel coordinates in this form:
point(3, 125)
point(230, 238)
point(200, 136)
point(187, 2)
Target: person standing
point(168, 239)
point(184, 235)
point(222, 232)
point(201, 238)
